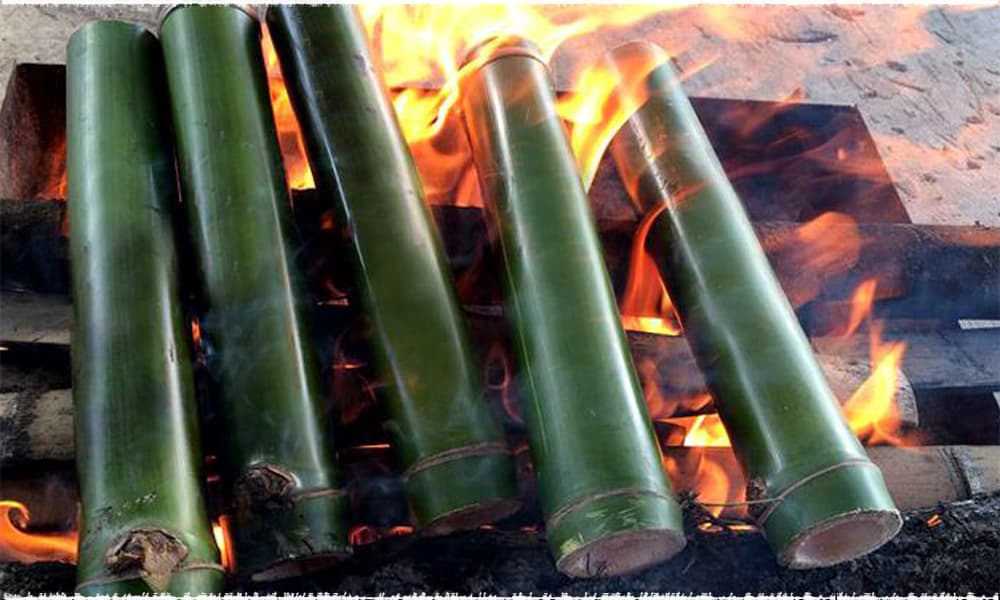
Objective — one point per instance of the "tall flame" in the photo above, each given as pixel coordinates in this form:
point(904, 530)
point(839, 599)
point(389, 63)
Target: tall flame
point(289, 134)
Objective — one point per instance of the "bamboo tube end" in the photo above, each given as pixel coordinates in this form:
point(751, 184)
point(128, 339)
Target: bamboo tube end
point(463, 489)
point(841, 539)
point(615, 533)
point(251, 10)
point(499, 46)
point(622, 553)
point(471, 517)
point(638, 56)
point(836, 516)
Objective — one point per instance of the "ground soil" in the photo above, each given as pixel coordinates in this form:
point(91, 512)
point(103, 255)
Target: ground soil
point(959, 556)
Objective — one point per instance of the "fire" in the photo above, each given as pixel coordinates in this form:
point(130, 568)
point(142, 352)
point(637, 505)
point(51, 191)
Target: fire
point(645, 305)
point(196, 332)
point(221, 531)
point(289, 135)
point(420, 46)
point(870, 412)
point(18, 545)
point(827, 246)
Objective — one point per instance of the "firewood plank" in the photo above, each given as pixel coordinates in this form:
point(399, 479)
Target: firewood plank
point(924, 271)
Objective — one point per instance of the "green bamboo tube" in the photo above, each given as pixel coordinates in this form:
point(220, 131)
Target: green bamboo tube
point(828, 501)
point(457, 467)
point(278, 459)
point(607, 503)
point(144, 521)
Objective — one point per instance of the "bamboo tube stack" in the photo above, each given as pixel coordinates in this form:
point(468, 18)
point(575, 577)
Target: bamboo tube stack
point(607, 503)
point(455, 460)
point(144, 524)
point(278, 460)
point(821, 501)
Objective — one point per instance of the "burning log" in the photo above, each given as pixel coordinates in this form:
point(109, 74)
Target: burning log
point(607, 503)
point(819, 498)
point(278, 459)
point(457, 467)
point(146, 528)
point(924, 271)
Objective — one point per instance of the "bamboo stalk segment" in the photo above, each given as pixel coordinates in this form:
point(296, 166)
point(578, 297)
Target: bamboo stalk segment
point(145, 525)
point(278, 460)
point(825, 502)
point(458, 471)
point(608, 506)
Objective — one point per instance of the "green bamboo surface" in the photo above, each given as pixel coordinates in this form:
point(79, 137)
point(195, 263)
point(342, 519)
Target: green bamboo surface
point(784, 422)
point(607, 502)
point(458, 471)
point(278, 458)
point(137, 447)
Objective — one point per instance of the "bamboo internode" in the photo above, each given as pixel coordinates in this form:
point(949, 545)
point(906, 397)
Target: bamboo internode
point(607, 503)
point(458, 470)
point(277, 453)
point(822, 501)
point(145, 525)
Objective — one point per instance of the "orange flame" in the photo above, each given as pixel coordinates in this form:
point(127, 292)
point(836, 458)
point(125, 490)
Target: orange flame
point(221, 531)
point(196, 332)
point(870, 412)
point(645, 305)
point(289, 135)
point(420, 46)
point(17, 545)
point(361, 535)
point(824, 247)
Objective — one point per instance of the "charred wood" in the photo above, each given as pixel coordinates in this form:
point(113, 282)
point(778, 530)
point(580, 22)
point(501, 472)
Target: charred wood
point(923, 271)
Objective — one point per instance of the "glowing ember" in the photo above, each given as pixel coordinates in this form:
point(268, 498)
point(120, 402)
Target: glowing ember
point(196, 332)
point(366, 534)
point(934, 520)
point(18, 545)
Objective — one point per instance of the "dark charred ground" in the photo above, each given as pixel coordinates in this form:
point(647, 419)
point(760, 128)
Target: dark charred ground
point(961, 555)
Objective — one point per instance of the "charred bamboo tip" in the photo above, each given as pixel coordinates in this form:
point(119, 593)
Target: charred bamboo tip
point(500, 46)
point(622, 553)
point(840, 539)
point(471, 517)
point(251, 10)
